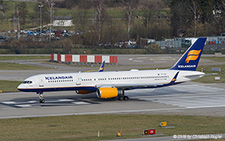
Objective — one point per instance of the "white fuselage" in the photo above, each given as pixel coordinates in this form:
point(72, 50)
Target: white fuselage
point(89, 81)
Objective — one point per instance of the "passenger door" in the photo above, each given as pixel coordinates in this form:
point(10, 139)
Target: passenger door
point(78, 82)
point(41, 84)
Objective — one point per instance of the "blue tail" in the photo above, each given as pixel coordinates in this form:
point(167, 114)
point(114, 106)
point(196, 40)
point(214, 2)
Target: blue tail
point(190, 59)
point(101, 69)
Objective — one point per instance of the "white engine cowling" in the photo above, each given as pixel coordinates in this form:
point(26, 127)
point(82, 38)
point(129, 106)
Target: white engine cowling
point(107, 92)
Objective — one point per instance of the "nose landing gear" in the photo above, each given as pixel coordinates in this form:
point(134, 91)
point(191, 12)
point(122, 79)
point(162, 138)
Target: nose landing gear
point(41, 98)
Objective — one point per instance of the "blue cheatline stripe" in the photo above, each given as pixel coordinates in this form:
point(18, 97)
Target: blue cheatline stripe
point(59, 89)
point(164, 85)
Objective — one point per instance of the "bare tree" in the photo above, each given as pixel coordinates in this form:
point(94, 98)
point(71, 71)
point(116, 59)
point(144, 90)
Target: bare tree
point(150, 12)
point(22, 13)
point(129, 7)
point(100, 16)
point(194, 8)
point(223, 3)
point(51, 15)
point(81, 15)
point(181, 17)
point(113, 32)
point(3, 8)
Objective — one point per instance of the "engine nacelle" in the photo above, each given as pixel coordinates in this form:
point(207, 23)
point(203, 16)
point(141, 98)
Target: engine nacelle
point(107, 92)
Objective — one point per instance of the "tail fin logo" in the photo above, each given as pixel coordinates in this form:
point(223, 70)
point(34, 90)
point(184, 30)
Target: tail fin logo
point(192, 55)
point(174, 79)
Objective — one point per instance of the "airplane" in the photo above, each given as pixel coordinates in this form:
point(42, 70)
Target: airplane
point(113, 84)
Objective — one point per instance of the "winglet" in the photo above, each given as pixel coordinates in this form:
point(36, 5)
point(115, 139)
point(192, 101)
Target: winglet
point(174, 79)
point(101, 69)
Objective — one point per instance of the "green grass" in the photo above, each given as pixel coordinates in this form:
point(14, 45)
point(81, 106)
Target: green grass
point(86, 127)
point(9, 12)
point(13, 66)
point(207, 70)
point(211, 78)
point(23, 57)
point(217, 59)
point(9, 86)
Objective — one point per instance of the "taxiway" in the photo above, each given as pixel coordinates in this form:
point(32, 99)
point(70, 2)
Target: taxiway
point(185, 99)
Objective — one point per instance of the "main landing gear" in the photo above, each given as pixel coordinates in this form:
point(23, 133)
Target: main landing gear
point(122, 96)
point(42, 100)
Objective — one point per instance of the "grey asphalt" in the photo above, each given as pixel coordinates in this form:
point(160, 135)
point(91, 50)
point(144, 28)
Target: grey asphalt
point(126, 62)
point(184, 99)
point(166, 103)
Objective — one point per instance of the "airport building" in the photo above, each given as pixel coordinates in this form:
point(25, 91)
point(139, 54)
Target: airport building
point(215, 41)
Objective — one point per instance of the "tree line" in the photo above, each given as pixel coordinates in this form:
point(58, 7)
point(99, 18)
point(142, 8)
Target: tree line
point(110, 21)
point(167, 18)
point(197, 17)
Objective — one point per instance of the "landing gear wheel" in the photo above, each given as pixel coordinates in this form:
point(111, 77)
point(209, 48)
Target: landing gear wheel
point(125, 98)
point(42, 100)
point(120, 98)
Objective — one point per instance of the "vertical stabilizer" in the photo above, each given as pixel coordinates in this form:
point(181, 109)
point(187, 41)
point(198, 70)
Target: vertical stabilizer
point(190, 59)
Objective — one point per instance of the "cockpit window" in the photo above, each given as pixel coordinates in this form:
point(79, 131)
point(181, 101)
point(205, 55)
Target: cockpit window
point(27, 82)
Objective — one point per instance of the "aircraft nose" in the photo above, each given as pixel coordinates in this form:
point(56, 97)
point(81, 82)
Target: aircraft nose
point(20, 86)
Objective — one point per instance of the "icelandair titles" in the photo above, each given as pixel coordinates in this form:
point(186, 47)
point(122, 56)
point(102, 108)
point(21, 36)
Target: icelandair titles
point(58, 77)
point(186, 66)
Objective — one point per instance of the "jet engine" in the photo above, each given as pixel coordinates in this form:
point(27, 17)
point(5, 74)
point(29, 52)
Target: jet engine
point(107, 92)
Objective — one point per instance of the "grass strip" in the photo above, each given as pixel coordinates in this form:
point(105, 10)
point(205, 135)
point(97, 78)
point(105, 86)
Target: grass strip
point(2, 58)
point(86, 127)
point(217, 59)
point(211, 78)
point(14, 66)
point(9, 86)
